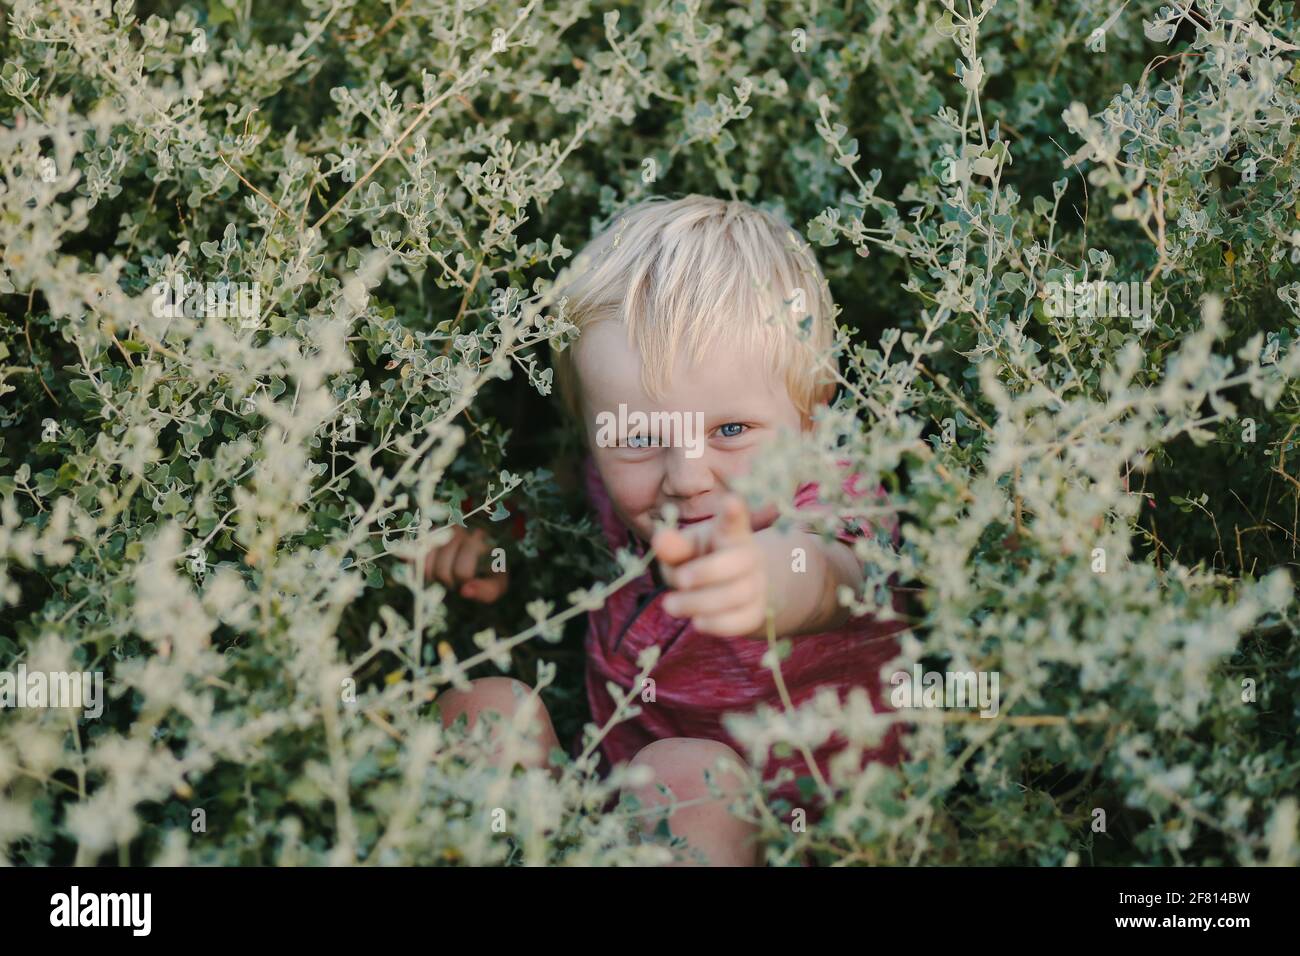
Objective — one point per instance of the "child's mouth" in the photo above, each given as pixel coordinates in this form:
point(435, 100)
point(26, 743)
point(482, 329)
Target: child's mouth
point(693, 520)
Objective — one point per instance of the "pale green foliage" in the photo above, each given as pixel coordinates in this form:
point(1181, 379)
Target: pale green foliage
point(219, 517)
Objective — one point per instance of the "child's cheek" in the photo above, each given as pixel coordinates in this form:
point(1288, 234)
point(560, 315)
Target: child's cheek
point(763, 517)
point(765, 514)
point(631, 493)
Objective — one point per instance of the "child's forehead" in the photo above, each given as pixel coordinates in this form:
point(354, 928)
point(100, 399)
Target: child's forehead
point(603, 352)
point(609, 369)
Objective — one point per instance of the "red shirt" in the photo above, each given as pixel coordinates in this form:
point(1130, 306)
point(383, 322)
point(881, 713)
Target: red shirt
point(700, 677)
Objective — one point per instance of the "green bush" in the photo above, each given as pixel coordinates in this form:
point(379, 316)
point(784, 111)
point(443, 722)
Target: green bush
point(214, 510)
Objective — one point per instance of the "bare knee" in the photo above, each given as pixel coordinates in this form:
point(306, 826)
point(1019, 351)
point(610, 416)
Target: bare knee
point(679, 763)
point(513, 701)
point(505, 695)
point(702, 819)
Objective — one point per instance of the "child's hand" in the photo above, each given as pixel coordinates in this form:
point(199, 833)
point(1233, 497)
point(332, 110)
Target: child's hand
point(717, 572)
point(456, 564)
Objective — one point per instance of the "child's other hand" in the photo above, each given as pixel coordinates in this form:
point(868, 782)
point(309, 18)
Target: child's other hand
point(717, 573)
point(456, 564)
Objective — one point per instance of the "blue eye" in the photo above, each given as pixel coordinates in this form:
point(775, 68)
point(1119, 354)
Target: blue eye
point(638, 441)
point(734, 434)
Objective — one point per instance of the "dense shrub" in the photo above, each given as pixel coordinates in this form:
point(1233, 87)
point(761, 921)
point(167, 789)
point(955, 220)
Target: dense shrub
point(214, 510)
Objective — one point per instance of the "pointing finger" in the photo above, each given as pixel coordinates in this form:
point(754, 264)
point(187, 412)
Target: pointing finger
point(674, 547)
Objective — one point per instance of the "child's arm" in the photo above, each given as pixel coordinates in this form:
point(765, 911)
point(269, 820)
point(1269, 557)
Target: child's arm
point(803, 586)
point(725, 576)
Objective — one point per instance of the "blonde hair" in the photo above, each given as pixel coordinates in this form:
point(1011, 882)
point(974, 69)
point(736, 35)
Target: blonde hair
point(701, 272)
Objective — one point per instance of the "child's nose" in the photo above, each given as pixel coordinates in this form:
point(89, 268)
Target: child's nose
point(684, 476)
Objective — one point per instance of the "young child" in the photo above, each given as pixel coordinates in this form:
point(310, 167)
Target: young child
point(673, 302)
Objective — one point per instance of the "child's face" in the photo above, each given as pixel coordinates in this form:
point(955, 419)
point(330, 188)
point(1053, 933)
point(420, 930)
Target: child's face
point(743, 409)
